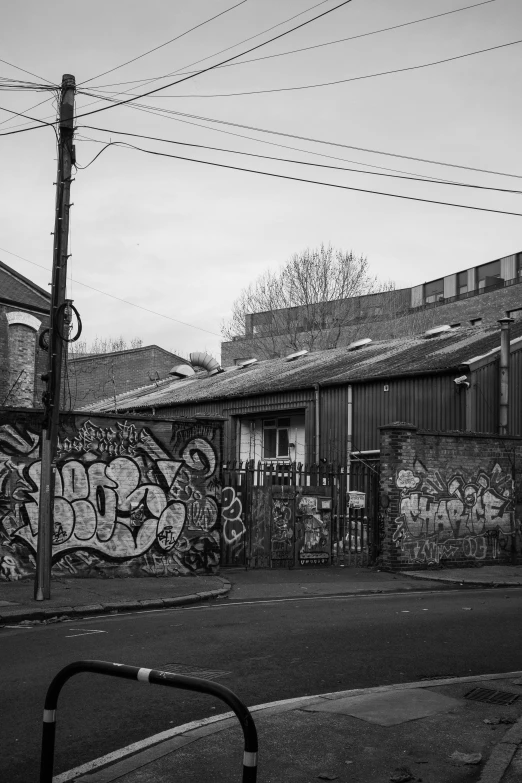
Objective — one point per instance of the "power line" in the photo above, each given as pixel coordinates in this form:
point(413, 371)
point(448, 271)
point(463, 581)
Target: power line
point(212, 67)
point(300, 179)
point(155, 49)
point(233, 46)
point(25, 71)
point(344, 81)
point(299, 162)
point(112, 296)
point(323, 141)
point(319, 46)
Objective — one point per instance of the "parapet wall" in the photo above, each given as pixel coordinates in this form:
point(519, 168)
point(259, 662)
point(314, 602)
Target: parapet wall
point(133, 496)
point(449, 499)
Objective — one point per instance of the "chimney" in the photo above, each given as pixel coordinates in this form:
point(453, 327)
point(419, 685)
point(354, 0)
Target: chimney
point(504, 375)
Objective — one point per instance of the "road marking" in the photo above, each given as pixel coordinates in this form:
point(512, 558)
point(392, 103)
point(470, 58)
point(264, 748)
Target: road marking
point(85, 632)
point(23, 627)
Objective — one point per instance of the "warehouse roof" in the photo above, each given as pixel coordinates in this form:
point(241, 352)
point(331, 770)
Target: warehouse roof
point(381, 359)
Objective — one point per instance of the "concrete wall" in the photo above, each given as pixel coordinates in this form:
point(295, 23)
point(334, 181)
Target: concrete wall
point(133, 496)
point(449, 499)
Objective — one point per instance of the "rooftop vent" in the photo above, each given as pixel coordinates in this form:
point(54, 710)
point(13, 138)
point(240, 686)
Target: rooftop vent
point(294, 356)
point(182, 371)
point(436, 331)
point(359, 344)
point(206, 362)
point(247, 363)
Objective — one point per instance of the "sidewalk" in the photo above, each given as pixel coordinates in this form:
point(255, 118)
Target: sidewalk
point(409, 732)
point(81, 597)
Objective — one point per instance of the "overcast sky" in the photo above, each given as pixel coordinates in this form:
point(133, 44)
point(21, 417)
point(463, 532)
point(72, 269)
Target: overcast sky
point(183, 238)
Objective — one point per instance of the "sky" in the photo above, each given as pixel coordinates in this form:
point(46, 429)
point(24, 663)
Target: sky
point(182, 238)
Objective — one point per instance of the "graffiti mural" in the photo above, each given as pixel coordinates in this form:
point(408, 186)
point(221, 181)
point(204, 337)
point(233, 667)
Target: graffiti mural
point(454, 516)
point(124, 497)
point(233, 528)
point(282, 534)
point(313, 531)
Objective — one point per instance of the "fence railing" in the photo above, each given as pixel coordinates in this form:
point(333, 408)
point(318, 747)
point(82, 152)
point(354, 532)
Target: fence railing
point(153, 677)
point(251, 510)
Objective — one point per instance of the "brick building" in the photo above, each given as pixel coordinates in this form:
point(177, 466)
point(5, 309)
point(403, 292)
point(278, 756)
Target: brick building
point(478, 295)
point(93, 377)
point(24, 315)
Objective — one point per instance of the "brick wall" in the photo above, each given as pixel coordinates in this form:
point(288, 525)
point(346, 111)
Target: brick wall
point(134, 496)
point(22, 361)
point(449, 499)
point(98, 377)
point(489, 306)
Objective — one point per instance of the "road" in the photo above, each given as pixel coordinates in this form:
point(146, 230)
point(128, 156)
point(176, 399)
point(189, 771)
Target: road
point(264, 651)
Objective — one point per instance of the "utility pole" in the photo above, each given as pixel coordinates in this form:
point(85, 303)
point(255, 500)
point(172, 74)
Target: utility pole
point(57, 332)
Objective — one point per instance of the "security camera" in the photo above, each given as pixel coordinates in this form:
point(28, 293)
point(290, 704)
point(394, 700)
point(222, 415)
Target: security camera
point(461, 381)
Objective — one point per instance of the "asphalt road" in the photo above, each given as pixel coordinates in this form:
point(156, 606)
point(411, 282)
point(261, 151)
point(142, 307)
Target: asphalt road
point(265, 651)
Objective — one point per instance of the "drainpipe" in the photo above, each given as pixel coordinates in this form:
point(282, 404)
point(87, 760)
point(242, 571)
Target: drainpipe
point(504, 375)
point(317, 423)
point(349, 429)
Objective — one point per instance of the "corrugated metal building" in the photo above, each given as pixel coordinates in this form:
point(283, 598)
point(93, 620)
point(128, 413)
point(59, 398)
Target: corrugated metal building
point(328, 404)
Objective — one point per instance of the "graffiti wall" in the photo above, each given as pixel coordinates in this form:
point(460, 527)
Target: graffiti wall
point(456, 499)
point(132, 497)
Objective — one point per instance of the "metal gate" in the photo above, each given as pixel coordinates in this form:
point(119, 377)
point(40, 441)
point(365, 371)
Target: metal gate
point(278, 515)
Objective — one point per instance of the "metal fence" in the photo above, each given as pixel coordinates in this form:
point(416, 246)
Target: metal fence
point(277, 514)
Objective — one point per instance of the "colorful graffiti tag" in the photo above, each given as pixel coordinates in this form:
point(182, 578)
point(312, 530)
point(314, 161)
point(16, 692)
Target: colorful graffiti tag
point(454, 516)
point(121, 496)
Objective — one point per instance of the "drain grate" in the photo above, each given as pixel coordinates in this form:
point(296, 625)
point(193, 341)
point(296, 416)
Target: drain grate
point(491, 697)
point(193, 671)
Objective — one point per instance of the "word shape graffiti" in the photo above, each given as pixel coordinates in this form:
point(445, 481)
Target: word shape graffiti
point(453, 516)
point(233, 531)
point(117, 492)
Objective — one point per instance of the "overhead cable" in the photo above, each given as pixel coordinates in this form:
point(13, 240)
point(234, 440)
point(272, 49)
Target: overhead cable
point(342, 81)
point(315, 46)
point(112, 296)
point(300, 179)
point(299, 162)
point(155, 49)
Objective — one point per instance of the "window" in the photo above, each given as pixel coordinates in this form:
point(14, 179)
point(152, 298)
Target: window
point(462, 283)
point(434, 291)
point(489, 274)
point(276, 443)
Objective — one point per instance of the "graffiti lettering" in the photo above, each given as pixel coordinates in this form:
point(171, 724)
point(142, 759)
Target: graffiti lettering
point(448, 517)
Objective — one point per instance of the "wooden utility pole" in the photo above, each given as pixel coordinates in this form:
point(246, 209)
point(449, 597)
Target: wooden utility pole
point(57, 331)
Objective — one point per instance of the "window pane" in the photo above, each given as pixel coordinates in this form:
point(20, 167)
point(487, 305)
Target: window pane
point(283, 422)
point(269, 444)
point(282, 443)
point(269, 423)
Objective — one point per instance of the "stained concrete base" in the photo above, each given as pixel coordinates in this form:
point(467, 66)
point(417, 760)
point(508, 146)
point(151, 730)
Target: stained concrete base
point(390, 709)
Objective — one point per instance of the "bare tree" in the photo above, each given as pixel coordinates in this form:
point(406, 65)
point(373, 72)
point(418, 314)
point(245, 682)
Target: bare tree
point(306, 303)
point(104, 345)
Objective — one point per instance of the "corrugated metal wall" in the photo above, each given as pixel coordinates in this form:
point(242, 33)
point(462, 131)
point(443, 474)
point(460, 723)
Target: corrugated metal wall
point(515, 394)
point(485, 397)
point(430, 402)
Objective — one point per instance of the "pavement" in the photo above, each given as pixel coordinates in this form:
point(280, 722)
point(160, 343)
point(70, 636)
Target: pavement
point(418, 731)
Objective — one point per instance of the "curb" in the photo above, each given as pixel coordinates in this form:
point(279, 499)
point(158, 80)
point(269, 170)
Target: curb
point(456, 581)
point(142, 753)
point(62, 613)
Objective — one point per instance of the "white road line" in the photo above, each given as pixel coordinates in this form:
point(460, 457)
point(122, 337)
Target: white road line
point(85, 632)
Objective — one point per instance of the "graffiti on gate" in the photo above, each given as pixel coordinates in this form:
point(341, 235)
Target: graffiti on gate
point(282, 528)
point(454, 515)
point(233, 528)
point(119, 493)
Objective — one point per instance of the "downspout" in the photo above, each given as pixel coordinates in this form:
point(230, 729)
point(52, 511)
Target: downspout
point(504, 375)
point(317, 423)
point(349, 429)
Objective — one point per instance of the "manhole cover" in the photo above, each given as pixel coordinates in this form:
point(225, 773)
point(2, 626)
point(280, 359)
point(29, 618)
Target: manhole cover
point(193, 671)
point(491, 697)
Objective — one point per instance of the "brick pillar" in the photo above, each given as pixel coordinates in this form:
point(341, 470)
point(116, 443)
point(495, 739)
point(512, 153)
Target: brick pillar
point(397, 453)
point(22, 331)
